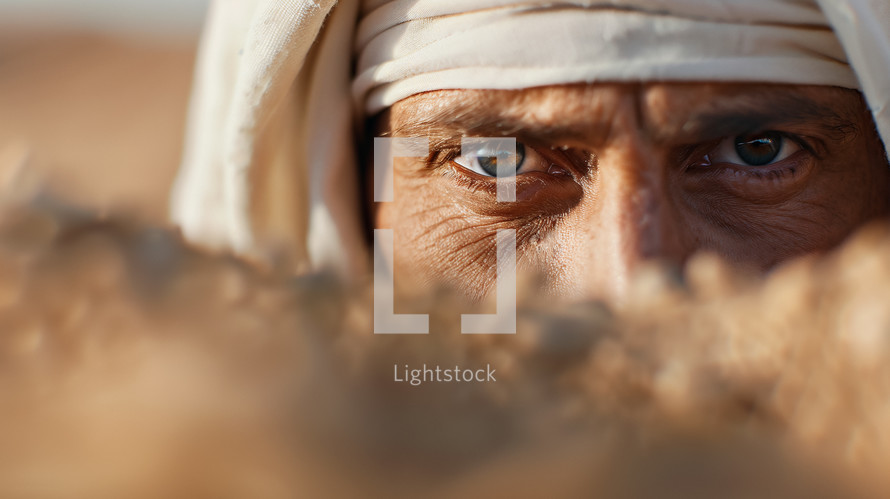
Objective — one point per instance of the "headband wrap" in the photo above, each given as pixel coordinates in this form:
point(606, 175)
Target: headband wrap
point(405, 48)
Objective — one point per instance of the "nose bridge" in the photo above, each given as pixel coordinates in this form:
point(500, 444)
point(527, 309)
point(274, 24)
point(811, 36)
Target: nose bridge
point(634, 218)
point(632, 202)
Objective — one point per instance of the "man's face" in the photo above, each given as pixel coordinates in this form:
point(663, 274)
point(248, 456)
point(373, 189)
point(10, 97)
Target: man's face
point(610, 176)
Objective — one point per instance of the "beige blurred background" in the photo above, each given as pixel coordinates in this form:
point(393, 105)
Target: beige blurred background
point(93, 96)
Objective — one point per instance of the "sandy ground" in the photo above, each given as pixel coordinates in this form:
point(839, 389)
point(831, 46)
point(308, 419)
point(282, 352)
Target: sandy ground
point(132, 366)
point(101, 118)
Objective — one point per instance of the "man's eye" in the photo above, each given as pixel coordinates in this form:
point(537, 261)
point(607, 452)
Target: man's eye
point(485, 162)
point(757, 149)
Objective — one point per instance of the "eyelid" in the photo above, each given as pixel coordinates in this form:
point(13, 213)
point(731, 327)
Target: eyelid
point(443, 154)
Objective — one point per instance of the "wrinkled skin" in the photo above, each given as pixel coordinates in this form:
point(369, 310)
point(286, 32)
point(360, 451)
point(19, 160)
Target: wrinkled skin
point(615, 175)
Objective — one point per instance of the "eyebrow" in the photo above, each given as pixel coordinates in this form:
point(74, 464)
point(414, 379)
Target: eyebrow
point(479, 118)
point(722, 116)
point(759, 112)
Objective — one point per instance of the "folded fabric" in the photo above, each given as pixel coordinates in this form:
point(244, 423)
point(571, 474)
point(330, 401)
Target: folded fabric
point(270, 170)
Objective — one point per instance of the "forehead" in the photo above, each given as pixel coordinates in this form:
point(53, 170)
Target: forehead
point(666, 111)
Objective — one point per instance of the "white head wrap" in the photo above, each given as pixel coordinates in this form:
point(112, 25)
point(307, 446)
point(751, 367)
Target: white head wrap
point(269, 161)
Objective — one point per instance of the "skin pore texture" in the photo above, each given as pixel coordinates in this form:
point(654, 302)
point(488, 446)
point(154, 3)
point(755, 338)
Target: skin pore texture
point(611, 176)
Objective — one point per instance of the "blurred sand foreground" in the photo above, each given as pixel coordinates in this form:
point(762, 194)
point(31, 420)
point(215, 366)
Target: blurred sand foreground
point(132, 366)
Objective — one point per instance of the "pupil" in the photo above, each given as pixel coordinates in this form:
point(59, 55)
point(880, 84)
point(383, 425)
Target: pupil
point(490, 163)
point(759, 150)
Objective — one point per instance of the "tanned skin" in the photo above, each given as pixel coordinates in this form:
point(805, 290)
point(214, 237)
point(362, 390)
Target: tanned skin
point(614, 175)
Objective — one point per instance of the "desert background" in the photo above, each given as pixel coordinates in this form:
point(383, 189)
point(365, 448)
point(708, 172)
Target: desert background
point(93, 97)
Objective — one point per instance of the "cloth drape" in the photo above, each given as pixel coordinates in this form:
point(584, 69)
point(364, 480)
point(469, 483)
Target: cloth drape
point(269, 168)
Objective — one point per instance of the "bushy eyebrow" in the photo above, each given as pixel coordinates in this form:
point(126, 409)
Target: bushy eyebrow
point(465, 119)
point(482, 119)
point(721, 116)
point(760, 112)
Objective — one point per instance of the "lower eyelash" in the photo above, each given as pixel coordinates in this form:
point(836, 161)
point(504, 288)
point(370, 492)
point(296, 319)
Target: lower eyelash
point(465, 179)
point(773, 174)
